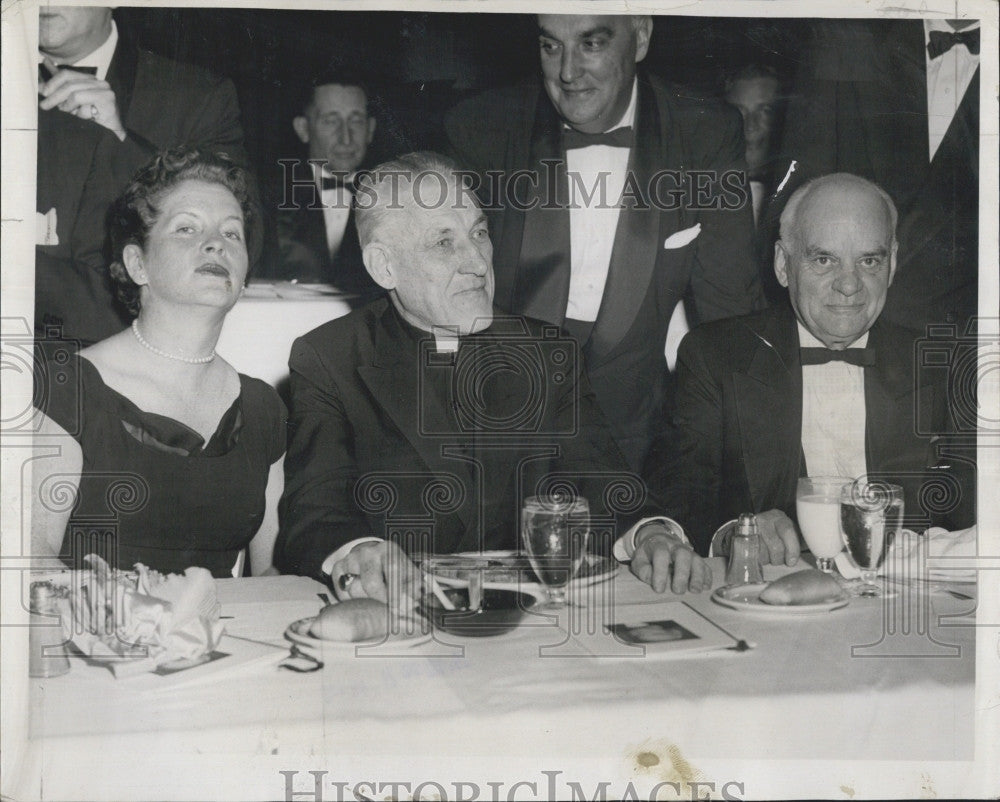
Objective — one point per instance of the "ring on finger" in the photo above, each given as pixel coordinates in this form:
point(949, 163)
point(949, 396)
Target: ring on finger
point(344, 581)
point(94, 112)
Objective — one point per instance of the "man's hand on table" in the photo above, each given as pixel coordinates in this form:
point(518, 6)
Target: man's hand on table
point(661, 558)
point(374, 565)
point(779, 540)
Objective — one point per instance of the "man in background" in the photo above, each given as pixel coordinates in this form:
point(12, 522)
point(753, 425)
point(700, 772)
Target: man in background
point(317, 238)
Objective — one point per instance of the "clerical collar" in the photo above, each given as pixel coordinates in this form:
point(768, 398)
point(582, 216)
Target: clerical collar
point(446, 338)
point(99, 58)
point(807, 340)
point(628, 118)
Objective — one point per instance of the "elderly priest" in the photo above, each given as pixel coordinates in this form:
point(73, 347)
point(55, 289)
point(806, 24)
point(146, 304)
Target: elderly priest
point(422, 420)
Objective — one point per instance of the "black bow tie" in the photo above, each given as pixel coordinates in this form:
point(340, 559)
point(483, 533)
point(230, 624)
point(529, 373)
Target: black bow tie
point(619, 138)
point(335, 182)
point(943, 41)
point(44, 74)
point(862, 357)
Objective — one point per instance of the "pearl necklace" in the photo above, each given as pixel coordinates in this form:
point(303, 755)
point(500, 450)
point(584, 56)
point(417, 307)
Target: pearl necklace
point(191, 360)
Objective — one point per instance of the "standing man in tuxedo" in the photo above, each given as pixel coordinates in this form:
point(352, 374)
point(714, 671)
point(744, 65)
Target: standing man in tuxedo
point(610, 269)
point(317, 238)
point(897, 101)
point(829, 391)
point(105, 108)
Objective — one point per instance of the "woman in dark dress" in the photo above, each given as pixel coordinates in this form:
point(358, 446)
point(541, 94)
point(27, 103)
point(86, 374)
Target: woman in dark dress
point(164, 454)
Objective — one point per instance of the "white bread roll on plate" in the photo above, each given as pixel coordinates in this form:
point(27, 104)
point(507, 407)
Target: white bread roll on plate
point(803, 587)
point(352, 620)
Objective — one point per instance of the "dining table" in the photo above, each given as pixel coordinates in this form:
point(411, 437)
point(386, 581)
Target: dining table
point(875, 698)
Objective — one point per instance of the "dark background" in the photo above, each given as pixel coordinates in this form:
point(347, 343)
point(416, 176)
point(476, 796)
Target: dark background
point(418, 63)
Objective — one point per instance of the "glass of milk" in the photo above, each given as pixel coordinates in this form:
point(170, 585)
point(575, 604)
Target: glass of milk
point(817, 504)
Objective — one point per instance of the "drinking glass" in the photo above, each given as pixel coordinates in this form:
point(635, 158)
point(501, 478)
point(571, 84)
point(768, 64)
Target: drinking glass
point(817, 505)
point(555, 530)
point(871, 514)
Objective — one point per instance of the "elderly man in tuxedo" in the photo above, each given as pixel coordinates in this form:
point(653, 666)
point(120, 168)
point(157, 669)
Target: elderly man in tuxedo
point(617, 195)
point(421, 421)
point(833, 390)
point(317, 238)
point(105, 108)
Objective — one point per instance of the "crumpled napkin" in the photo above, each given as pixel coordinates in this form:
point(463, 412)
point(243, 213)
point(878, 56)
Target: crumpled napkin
point(141, 621)
point(908, 554)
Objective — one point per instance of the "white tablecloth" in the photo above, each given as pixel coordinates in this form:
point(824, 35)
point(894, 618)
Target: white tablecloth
point(502, 712)
point(258, 333)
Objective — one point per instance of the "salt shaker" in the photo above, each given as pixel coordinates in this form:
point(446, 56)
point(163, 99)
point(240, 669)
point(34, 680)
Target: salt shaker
point(47, 655)
point(744, 553)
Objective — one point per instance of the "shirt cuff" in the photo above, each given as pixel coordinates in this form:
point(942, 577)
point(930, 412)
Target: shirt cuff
point(340, 553)
point(722, 536)
point(624, 547)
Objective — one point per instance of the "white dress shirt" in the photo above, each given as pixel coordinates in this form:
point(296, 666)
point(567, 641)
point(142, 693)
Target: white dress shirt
point(594, 220)
point(948, 76)
point(336, 208)
point(833, 414)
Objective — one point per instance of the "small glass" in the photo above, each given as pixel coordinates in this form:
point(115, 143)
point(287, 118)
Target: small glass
point(817, 505)
point(871, 515)
point(555, 530)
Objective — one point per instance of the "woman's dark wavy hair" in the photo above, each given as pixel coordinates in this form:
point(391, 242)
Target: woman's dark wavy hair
point(135, 211)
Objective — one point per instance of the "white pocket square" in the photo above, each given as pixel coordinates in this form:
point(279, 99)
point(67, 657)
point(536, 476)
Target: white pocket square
point(681, 238)
point(45, 228)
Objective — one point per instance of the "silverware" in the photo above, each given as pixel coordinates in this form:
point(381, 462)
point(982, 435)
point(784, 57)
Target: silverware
point(308, 664)
point(959, 595)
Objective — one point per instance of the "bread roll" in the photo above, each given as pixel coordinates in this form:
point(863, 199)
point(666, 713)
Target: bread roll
point(352, 620)
point(803, 587)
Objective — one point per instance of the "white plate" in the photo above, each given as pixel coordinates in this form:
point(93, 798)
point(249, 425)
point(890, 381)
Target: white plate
point(298, 632)
point(746, 598)
point(513, 569)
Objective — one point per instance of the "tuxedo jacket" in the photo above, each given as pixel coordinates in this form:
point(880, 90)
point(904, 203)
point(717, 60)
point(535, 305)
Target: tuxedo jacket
point(303, 253)
point(388, 436)
point(517, 128)
point(736, 443)
point(860, 106)
point(83, 167)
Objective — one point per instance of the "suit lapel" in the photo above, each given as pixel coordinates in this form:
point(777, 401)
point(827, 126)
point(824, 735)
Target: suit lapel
point(899, 164)
point(771, 390)
point(122, 73)
point(638, 238)
point(66, 150)
point(395, 385)
point(543, 273)
point(888, 394)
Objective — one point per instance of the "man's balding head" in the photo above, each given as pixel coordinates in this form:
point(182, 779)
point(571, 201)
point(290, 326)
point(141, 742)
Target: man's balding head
point(837, 255)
